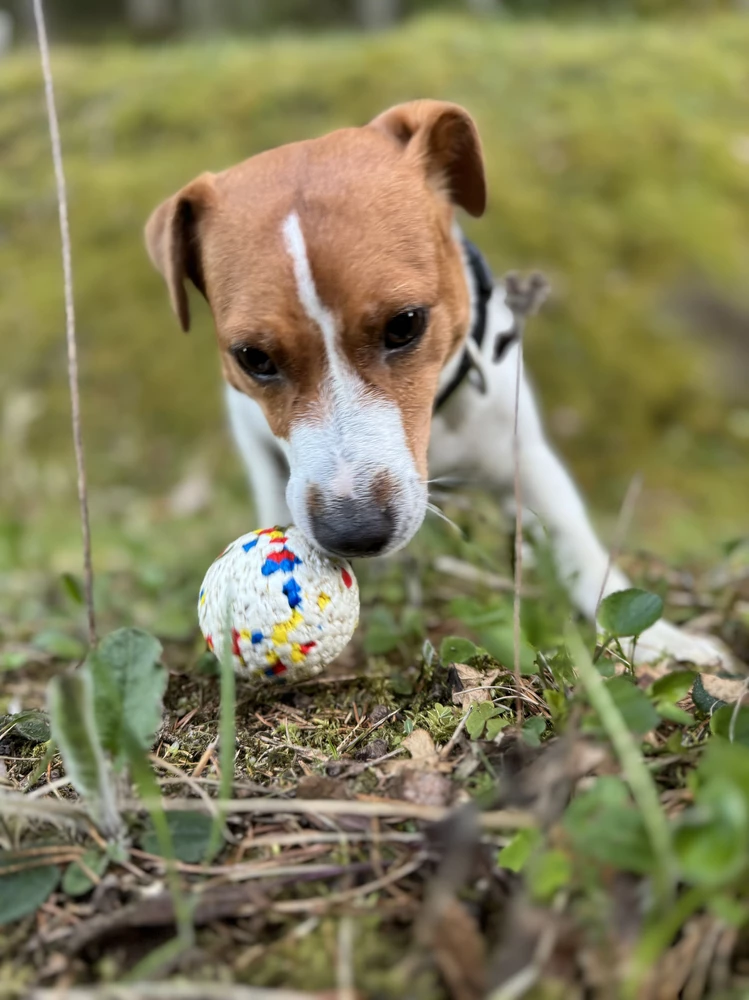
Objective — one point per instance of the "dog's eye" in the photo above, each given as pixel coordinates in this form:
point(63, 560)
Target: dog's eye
point(255, 363)
point(405, 328)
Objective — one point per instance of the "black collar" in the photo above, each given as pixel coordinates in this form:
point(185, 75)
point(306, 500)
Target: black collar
point(483, 288)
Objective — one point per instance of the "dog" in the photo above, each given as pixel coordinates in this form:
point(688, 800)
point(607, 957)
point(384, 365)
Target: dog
point(363, 340)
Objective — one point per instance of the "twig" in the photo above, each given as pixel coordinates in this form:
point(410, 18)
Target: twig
point(345, 959)
point(186, 779)
point(736, 709)
point(169, 991)
point(523, 298)
point(305, 905)
point(203, 762)
point(468, 573)
point(347, 746)
point(325, 837)
point(50, 787)
point(395, 809)
point(67, 268)
point(448, 747)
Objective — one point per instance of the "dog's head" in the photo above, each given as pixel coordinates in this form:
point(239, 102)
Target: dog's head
point(338, 294)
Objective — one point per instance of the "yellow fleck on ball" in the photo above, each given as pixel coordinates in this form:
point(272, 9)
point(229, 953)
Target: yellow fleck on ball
point(285, 608)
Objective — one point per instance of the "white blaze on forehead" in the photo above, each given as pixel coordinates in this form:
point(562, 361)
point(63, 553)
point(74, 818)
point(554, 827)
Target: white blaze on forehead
point(305, 283)
point(356, 435)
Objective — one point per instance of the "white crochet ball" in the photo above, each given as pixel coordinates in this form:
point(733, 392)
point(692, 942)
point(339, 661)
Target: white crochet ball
point(290, 609)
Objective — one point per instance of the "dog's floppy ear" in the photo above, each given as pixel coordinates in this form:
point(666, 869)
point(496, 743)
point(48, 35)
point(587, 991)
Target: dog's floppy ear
point(173, 242)
point(445, 139)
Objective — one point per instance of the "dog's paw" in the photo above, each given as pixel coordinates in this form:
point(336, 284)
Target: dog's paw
point(666, 641)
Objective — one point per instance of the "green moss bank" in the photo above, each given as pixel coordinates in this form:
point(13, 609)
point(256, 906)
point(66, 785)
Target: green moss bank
point(615, 163)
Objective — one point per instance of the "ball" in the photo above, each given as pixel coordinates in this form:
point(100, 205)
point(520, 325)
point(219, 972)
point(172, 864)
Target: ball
point(289, 609)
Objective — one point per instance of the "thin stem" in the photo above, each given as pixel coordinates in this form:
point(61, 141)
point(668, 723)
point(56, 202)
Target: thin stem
point(67, 268)
point(518, 576)
point(638, 777)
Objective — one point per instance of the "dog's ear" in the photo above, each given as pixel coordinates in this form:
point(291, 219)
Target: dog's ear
point(173, 241)
point(445, 139)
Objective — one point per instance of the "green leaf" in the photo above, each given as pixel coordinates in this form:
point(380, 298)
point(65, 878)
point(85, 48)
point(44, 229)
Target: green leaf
point(562, 668)
point(725, 761)
point(73, 588)
point(514, 856)
point(702, 698)
point(558, 705)
point(24, 892)
point(548, 873)
point(729, 909)
point(401, 683)
point(71, 712)
point(605, 667)
point(533, 729)
point(207, 664)
point(499, 642)
point(476, 614)
point(75, 881)
point(60, 645)
point(673, 687)
point(190, 832)
point(711, 840)
point(481, 712)
point(629, 612)
point(672, 713)
point(720, 724)
point(13, 660)
point(129, 683)
point(603, 825)
point(454, 649)
point(383, 634)
point(634, 705)
point(412, 622)
point(495, 726)
point(32, 725)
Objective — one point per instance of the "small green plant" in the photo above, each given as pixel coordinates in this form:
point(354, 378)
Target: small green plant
point(627, 614)
point(485, 721)
point(102, 720)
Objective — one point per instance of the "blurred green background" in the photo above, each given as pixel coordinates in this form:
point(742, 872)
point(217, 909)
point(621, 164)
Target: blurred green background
point(617, 146)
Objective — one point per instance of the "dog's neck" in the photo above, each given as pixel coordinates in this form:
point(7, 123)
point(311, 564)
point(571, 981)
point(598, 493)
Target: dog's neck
point(452, 368)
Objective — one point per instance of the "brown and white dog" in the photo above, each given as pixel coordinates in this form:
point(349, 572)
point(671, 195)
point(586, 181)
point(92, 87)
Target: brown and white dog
point(345, 301)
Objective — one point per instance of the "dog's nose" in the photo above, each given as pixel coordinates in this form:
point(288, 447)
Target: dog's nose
point(355, 527)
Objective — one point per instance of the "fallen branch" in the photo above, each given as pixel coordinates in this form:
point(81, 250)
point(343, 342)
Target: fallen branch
point(172, 991)
point(500, 819)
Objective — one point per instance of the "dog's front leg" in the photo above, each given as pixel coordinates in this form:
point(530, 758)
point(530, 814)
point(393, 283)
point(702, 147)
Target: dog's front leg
point(584, 564)
point(262, 457)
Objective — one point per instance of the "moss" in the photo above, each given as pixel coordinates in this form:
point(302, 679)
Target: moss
point(308, 961)
point(611, 160)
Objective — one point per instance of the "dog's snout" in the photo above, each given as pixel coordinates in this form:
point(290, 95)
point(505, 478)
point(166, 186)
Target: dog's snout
point(354, 527)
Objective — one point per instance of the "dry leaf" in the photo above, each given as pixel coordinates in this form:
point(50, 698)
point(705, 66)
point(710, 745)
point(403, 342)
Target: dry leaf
point(724, 688)
point(318, 786)
point(422, 749)
point(476, 684)
point(460, 953)
point(426, 788)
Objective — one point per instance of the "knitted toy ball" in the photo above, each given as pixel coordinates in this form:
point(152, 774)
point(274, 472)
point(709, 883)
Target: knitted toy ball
point(290, 609)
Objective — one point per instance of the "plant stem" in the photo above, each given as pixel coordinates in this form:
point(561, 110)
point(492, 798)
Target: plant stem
point(67, 269)
point(635, 772)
